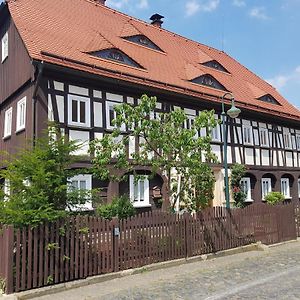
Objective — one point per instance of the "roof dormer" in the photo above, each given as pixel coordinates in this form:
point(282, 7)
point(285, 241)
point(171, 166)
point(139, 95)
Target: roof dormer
point(210, 81)
point(269, 99)
point(215, 65)
point(143, 41)
point(117, 56)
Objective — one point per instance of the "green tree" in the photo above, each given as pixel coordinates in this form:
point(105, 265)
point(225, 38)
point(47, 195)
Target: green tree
point(38, 181)
point(165, 144)
point(237, 173)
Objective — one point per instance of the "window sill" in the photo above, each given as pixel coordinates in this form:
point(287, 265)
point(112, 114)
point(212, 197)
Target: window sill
point(20, 130)
point(141, 205)
point(6, 137)
point(3, 60)
point(79, 126)
point(287, 198)
point(250, 200)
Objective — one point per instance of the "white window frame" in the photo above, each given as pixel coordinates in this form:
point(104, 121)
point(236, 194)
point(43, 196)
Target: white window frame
point(265, 132)
point(108, 105)
point(299, 187)
point(285, 187)
point(79, 99)
point(8, 122)
point(246, 181)
point(298, 141)
point(247, 135)
point(88, 186)
point(21, 115)
point(287, 140)
point(4, 45)
point(263, 192)
point(139, 201)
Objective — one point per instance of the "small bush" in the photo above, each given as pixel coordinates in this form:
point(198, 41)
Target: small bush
point(120, 207)
point(274, 198)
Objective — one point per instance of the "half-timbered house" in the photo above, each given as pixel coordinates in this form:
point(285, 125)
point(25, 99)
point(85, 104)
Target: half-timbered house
point(72, 61)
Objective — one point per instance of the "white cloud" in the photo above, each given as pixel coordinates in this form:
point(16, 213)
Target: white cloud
point(143, 4)
point(191, 7)
point(119, 4)
point(282, 81)
point(194, 6)
point(239, 3)
point(258, 13)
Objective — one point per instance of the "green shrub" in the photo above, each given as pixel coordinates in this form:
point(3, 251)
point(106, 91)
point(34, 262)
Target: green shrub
point(274, 198)
point(120, 207)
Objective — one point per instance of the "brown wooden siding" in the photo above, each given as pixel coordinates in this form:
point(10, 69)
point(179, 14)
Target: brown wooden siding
point(17, 140)
point(17, 69)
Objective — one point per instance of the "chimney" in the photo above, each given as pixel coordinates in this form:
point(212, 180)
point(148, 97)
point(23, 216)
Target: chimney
point(157, 20)
point(102, 2)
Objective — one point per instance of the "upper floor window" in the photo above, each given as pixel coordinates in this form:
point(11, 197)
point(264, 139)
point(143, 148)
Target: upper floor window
point(247, 135)
point(139, 191)
point(78, 111)
point(142, 40)
point(21, 114)
point(209, 81)
point(264, 137)
point(287, 140)
point(246, 188)
point(4, 43)
point(8, 122)
point(266, 187)
point(116, 55)
point(215, 65)
point(285, 187)
point(268, 98)
point(111, 115)
point(298, 141)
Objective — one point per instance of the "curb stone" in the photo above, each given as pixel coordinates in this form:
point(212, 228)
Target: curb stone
point(31, 294)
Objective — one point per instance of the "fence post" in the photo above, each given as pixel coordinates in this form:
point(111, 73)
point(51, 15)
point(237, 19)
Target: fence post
point(187, 235)
point(115, 245)
point(9, 259)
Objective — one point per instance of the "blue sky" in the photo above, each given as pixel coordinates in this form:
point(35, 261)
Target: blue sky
point(263, 35)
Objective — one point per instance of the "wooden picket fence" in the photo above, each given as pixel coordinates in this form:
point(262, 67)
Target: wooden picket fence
point(79, 247)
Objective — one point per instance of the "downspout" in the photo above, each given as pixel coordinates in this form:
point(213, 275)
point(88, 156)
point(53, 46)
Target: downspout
point(40, 68)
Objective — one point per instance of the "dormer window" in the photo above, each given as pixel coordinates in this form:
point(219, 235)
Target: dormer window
point(116, 55)
point(142, 40)
point(268, 98)
point(209, 81)
point(215, 65)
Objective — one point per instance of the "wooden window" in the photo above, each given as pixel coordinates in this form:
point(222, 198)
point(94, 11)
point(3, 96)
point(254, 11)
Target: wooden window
point(8, 122)
point(111, 115)
point(139, 191)
point(285, 187)
point(298, 141)
point(246, 188)
point(78, 111)
point(266, 187)
point(287, 140)
point(247, 135)
point(21, 114)
point(83, 183)
point(264, 137)
point(4, 43)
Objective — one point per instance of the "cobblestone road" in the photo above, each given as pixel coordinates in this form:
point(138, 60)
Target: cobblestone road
point(272, 274)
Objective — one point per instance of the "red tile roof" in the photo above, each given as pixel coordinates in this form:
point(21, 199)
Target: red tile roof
point(64, 31)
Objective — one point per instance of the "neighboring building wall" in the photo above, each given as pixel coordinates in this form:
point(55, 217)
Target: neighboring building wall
point(16, 69)
point(265, 147)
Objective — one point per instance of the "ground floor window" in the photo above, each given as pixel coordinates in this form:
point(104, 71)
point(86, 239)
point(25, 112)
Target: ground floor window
point(139, 191)
point(82, 182)
point(285, 187)
point(246, 188)
point(299, 188)
point(266, 187)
